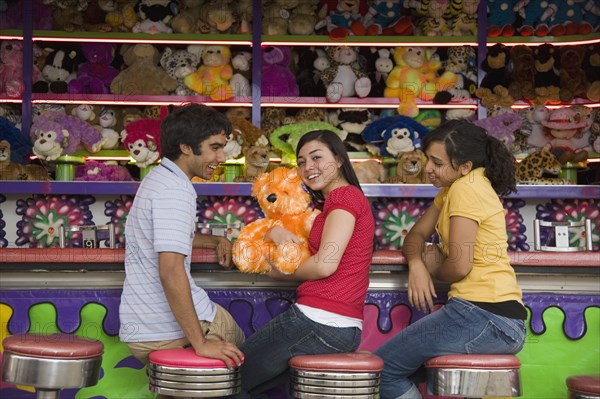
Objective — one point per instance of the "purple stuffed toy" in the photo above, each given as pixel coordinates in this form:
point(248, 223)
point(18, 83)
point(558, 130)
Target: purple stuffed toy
point(278, 80)
point(95, 75)
point(100, 171)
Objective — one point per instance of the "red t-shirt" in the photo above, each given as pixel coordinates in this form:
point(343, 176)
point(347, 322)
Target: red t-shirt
point(345, 290)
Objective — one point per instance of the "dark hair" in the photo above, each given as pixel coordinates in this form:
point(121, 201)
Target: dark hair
point(465, 142)
point(190, 124)
point(336, 146)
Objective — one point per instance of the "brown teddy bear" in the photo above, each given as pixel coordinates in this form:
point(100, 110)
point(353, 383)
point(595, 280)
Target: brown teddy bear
point(573, 82)
point(142, 75)
point(10, 170)
point(410, 169)
point(285, 203)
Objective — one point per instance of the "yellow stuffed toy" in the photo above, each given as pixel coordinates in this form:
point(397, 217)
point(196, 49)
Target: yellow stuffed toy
point(285, 203)
point(213, 76)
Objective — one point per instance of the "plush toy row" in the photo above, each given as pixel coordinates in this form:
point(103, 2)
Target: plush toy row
point(335, 18)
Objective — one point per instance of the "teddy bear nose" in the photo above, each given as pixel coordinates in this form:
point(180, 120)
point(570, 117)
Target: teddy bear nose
point(272, 198)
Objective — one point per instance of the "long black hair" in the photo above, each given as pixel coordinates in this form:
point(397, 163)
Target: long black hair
point(336, 146)
point(465, 142)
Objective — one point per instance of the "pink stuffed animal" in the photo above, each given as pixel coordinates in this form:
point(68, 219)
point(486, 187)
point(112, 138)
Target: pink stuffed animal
point(142, 139)
point(11, 69)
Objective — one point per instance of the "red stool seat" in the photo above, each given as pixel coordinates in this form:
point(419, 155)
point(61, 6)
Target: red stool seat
point(335, 375)
point(488, 362)
point(360, 362)
point(52, 362)
point(474, 376)
point(180, 372)
point(584, 386)
point(56, 346)
point(184, 358)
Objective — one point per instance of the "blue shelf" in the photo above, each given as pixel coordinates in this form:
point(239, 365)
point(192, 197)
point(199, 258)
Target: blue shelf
point(245, 189)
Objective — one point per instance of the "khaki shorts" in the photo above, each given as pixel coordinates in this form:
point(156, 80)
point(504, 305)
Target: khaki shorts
point(222, 327)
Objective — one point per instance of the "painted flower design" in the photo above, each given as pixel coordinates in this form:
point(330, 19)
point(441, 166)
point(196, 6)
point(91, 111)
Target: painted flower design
point(42, 217)
point(228, 210)
point(394, 218)
point(515, 229)
point(571, 210)
point(118, 210)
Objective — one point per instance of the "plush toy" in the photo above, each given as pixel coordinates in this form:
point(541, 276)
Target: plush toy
point(94, 16)
point(278, 80)
point(573, 82)
point(592, 15)
point(12, 16)
point(464, 23)
point(502, 126)
point(100, 171)
point(142, 139)
point(351, 122)
point(10, 170)
point(240, 80)
point(501, 18)
point(178, 64)
point(535, 16)
point(19, 144)
point(369, 172)
point(142, 74)
point(567, 18)
point(55, 134)
point(460, 61)
point(564, 128)
point(270, 119)
point(434, 23)
point(124, 17)
point(252, 143)
point(547, 79)
point(310, 62)
point(285, 203)
point(108, 123)
point(286, 138)
point(532, 169)
point(60, 66)
point(220, 18)
point(595, 132)
point(212, 77)
point(415, 77)
point(531, 135)
point(95, 75)
point(154, 16)
point(591, 66)
point(379, 70)
point(346, 19)
point(303, 20)
point(11, 69)
point(522, 76)
point(68, 15)
point(188, 18)
point(389, 136)
point(385, 17)
point(410, 168)
point(275, 19)
point(343, 78)
point(493, 89)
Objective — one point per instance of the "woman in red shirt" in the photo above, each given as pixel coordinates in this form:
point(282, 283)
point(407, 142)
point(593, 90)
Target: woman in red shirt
point(328, 314)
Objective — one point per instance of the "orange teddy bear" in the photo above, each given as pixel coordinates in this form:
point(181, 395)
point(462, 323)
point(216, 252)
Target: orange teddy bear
point(213, 76)
point(285, 203)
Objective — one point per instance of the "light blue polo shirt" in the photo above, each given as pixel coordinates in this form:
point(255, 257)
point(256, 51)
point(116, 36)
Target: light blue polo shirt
point(162, 219)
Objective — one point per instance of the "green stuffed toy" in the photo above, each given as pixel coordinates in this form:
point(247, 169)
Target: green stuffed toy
point(285, 138)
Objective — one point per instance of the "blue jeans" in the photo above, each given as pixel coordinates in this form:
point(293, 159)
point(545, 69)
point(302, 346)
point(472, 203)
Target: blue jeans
point(267, 351)
point(458, 327)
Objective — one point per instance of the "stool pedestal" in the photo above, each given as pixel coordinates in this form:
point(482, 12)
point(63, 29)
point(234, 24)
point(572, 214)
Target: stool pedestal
point(584, 387)
point(339, 375)
point(182, 373)
point(51, 362)
point(474, 376)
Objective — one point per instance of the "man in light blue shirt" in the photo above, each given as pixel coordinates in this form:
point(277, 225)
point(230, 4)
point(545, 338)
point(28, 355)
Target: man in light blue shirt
point(161, 306)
